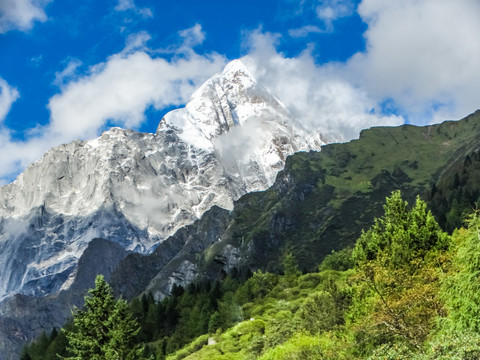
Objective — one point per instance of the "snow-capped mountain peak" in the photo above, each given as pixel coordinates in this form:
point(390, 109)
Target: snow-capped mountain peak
point(137, 189)
point(224, 101)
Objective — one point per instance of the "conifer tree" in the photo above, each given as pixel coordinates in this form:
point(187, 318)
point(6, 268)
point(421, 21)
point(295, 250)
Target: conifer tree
point(105, 329)
point(290, 265)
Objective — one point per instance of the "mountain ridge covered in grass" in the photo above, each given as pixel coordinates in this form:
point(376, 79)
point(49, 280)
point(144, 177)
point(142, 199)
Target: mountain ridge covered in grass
point(319, 203)
point(405, 291)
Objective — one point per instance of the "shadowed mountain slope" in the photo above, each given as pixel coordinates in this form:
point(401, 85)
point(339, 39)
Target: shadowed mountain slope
point(319, 203)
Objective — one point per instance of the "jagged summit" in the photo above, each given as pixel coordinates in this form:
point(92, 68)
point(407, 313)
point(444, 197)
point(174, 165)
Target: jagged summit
point(136, 189)
point(249, 129)
point(224, 101)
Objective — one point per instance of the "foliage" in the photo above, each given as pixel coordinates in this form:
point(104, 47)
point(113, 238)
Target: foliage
point(290, 265)
point(298, 347)
point(47, 347)
point(400, 260)
point(324, 310)
point(338, 260)
point(105, 329)
point(461, 290)
point(412, 293)
point(400, 236)
point(452, 197)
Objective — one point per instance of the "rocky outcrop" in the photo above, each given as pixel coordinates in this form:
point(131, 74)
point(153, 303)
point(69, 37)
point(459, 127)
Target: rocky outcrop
point(171, 262)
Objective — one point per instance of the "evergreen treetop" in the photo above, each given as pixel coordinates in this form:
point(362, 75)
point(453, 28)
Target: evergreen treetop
point(105, 329)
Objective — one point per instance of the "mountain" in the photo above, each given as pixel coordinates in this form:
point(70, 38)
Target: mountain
point(320, 202)
point(134, 190)
point(185, 202)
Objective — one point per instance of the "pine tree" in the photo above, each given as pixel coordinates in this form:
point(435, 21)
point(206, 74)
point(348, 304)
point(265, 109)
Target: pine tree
point(290, 269)
point(124, 328)
point(290, 265)
point(105, 329)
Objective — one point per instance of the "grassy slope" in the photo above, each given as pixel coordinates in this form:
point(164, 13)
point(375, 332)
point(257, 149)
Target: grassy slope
point(322, 200)
point(271, 320)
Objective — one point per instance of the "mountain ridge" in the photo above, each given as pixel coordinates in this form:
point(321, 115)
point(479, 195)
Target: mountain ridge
point(320, 202)
point(156, 182)
point(136, 189)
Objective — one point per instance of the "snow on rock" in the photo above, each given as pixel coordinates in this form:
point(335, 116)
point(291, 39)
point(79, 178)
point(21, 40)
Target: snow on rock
point(137, 188)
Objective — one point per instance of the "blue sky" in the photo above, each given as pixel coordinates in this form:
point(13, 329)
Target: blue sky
point(71, 69)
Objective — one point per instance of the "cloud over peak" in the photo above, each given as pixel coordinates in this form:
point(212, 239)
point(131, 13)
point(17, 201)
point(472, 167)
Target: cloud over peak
point(318, 97)
point(122, 88)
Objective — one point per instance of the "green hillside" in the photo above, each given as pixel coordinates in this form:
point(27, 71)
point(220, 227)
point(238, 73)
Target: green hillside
point(322, 200)
point(250, 299)
point(411, 292)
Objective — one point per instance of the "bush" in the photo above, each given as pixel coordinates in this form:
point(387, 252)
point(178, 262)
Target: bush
point(299, 347)
point(320, 313)
point(337, 260)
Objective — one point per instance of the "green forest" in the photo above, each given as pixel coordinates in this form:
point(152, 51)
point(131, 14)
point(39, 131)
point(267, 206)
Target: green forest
point(405, 290)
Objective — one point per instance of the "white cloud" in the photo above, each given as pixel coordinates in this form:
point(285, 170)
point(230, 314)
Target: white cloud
point(115, 92)
point(424, 54)
point(325, 11)
point(17, 155)
point(187, 40)
point(124, 5)
point(137, 41)
point(318, 96)
point(193, 36)
point(421, 56)
point(14, 155)
point(8, 95)
point(61, 77)
point(305, 31)
point(330, 10)
point(21, 14)
point(129, 5)
point(35, 61)
point(122, 88)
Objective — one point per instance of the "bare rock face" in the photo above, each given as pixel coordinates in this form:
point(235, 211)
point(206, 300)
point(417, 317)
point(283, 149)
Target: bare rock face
point(137, 189)
point(24, 317)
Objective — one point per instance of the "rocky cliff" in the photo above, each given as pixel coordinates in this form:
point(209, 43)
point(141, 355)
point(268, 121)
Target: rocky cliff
point(136, 189)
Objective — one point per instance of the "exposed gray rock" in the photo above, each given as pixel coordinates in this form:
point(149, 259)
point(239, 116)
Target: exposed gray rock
point(137, 189)
point(25, 317)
